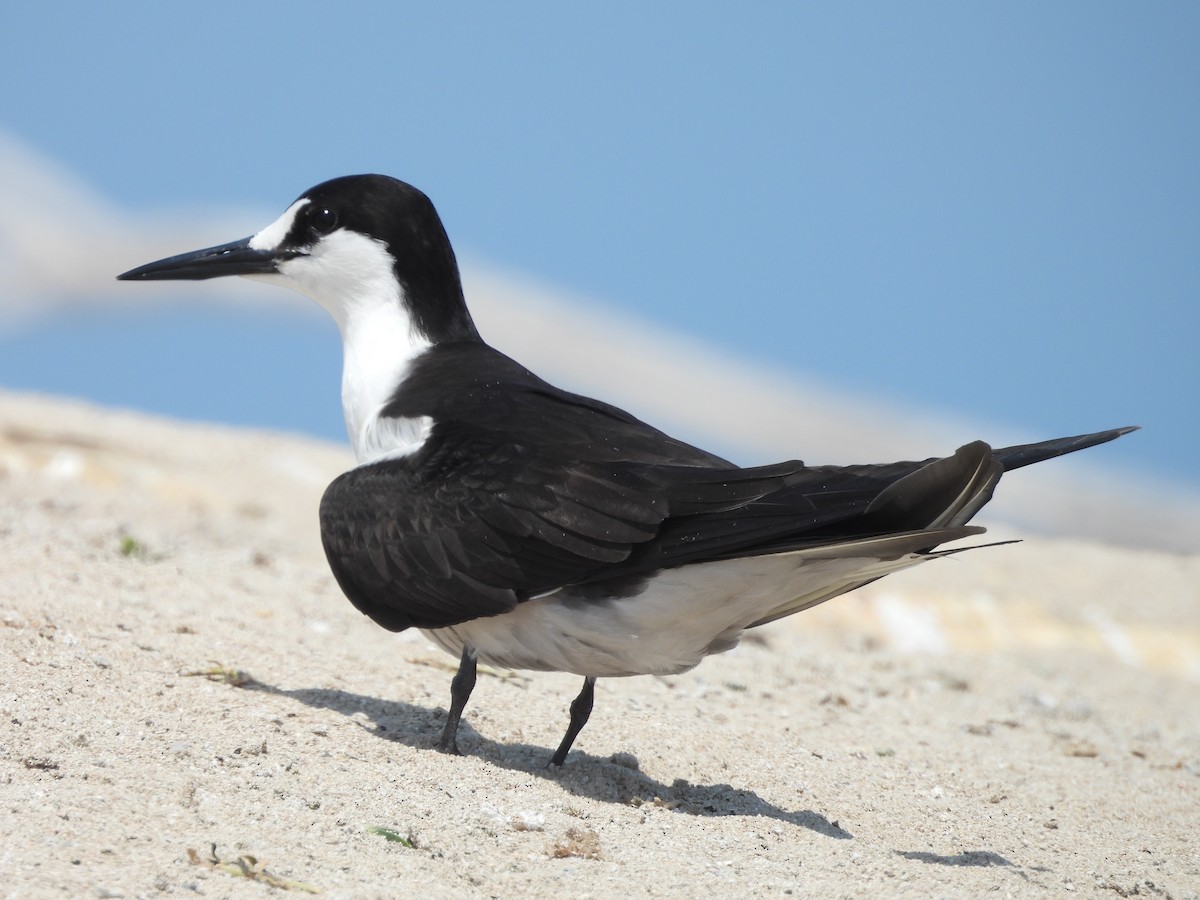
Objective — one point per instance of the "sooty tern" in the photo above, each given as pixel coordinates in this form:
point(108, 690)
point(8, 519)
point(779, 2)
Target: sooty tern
point(532, 528)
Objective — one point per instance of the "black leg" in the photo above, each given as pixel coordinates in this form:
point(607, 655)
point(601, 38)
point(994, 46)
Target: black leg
point(581, 708)
point(460, 692)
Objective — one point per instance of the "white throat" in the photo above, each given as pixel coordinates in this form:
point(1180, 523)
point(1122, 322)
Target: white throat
point(351, 275)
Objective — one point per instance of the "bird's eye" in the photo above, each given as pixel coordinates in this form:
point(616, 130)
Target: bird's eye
point(323, 220)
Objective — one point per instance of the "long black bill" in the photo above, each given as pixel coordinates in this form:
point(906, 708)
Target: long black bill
point(236, 258)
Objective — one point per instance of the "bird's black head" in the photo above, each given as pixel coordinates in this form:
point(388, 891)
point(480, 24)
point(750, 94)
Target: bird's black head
point(348, 243)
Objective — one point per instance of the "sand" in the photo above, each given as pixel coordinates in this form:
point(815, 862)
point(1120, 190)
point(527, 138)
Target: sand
point(191, 707)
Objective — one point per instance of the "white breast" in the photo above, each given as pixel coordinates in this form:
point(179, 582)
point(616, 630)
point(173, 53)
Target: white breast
point(378, 346)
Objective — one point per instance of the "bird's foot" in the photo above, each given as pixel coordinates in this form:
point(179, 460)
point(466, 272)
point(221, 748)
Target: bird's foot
point(448, 744)
point(581, 708)
point(460, 691)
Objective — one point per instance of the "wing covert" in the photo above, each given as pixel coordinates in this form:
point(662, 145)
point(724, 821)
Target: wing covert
point(401, 534)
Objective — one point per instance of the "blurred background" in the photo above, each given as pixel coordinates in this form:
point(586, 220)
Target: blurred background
point(840, 233)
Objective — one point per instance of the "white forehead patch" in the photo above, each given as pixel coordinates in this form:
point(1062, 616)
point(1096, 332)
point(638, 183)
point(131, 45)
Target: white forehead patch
point(272, 236)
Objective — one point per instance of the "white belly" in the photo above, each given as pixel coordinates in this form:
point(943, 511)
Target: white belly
point(682, 615)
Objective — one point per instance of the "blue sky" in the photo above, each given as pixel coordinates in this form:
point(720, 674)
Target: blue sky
point(991, 210)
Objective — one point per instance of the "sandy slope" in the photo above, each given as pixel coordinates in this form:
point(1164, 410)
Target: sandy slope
point(1024, 719)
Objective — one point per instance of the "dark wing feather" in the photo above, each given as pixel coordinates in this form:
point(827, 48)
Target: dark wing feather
point(529, 488)
point(398, 540)
point(1028, 454)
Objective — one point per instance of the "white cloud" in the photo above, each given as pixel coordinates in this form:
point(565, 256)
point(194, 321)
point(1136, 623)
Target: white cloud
point(62, 244)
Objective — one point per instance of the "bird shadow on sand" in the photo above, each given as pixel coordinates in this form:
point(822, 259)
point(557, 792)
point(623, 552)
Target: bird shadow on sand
point(982, 858)
point(975, 858)
point(615, 780)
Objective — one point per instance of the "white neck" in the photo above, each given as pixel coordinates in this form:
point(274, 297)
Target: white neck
point(351, 275)
point(378, 346)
